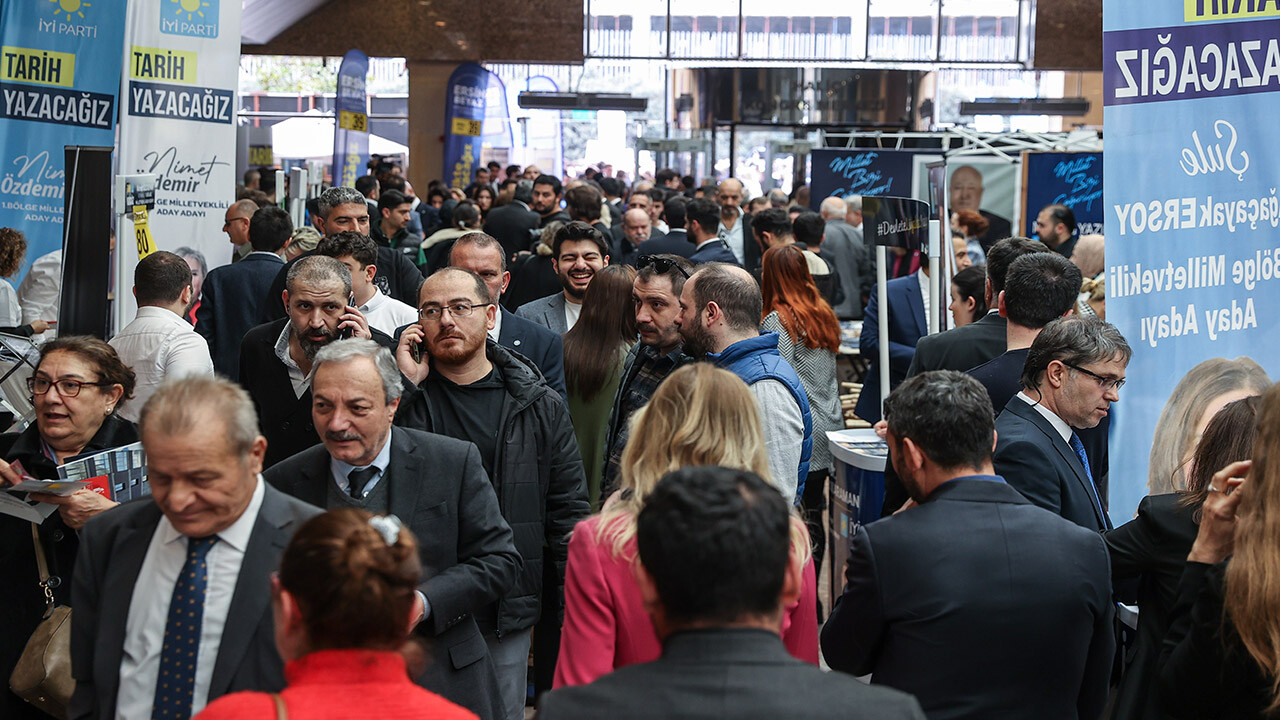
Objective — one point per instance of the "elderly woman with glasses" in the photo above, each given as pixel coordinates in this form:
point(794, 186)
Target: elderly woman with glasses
point(76, 388)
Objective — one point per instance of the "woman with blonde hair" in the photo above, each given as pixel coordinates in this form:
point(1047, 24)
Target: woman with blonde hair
point(1201, 393)
point(700, 415)
point(1222, 652)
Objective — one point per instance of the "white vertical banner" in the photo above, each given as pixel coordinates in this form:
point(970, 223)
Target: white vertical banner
point(178, 121)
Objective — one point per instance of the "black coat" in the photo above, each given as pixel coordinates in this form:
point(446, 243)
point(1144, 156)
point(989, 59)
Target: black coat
point(511, 225)
point(981, 605)
point(533, 276)
point(437, 486)
point(714, 673)
point(541, 486)
point(1153, 549)
point(962, 348)
point(22, 601)
point(231, 304)
point(543, 347)
point(283, 418)
point(396, 276)
point(675, 242)
point(1205, 670)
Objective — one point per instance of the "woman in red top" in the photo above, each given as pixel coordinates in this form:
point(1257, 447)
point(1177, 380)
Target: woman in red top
point(700, 415)
point(345, 601)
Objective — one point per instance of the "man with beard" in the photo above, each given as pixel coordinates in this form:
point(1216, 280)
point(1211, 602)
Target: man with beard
point(578, 252)
point(275, 358)
point(436, 484)
point(469, 387)
point(720, 319)
point(547, 192)
point(656, 295)
point(977, 602)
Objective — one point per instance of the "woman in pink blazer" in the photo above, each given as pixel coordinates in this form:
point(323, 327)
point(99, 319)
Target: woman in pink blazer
point(700, 415)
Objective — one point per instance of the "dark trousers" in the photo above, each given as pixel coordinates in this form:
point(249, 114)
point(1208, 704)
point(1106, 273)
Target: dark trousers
point(813, 504)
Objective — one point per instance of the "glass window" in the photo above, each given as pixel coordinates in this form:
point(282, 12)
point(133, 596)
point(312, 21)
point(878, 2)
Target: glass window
point(804, 37)
point(703, 33)
point(983, 30)
point(902, 30)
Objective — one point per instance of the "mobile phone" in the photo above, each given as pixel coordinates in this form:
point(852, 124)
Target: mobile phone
point(416, 351)
point(348, 332)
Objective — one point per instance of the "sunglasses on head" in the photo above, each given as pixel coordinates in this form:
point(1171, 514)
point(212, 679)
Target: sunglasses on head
point(660, 265)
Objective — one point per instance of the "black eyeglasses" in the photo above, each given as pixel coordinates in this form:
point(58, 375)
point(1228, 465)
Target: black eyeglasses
point(66, 388)
point(660, 265)
point(433, 313)
point(1106, 383)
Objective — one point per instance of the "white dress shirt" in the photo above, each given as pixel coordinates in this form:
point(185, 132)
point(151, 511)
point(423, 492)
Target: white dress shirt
point(496, 332)
point(149, 609)
point(1058, 423)
point(10, 310)
point(733, 237)
point(386, 313)
point(159, 345)
point(572, 311)
point(923, 277)
point(300, 380)
point(40, 293)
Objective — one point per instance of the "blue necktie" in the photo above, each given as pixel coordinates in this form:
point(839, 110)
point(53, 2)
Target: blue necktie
point(1078, 447)
point(175, 687)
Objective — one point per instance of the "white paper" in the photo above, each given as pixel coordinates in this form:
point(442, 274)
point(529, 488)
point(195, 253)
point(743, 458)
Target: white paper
point(12, 505)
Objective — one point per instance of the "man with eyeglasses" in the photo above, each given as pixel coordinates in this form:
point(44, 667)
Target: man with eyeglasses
point(660, 352)
point(469, 387)
point(235, 223)
point(1073, 372)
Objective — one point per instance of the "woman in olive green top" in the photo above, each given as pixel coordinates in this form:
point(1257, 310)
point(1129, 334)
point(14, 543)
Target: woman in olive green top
point(593, 353)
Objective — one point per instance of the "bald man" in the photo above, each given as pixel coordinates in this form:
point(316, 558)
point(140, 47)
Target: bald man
point(720, 320)
point(735, 226)
point(852, 260)
point(235, 223)
point(966, 194)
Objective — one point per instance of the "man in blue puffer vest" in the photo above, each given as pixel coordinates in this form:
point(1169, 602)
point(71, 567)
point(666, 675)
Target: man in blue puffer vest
point(720, 319)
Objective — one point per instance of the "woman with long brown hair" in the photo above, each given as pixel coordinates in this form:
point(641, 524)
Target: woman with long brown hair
point(1222, 651)
point(699, 415)
point(1153, 547)
point(594, 350)
point(808, 338)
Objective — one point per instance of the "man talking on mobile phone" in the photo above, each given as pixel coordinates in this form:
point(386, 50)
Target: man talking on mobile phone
point(469, 387)
point(275, 358)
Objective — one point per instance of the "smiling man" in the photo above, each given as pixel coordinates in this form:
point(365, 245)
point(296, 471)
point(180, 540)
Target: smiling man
point(579, 252)
point(276, 358)
point(437, 484)
point(469, 387)
point(1073, 372)
point(210, 517)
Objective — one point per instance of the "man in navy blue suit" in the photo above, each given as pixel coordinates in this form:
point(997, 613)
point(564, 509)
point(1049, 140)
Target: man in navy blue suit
point(483, 255)
point(908, 297)
point(1073, 373)
point(702, 222)
point(231, 304)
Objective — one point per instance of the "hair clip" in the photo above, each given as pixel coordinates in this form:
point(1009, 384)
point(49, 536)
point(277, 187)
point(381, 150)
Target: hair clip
point(388, 526)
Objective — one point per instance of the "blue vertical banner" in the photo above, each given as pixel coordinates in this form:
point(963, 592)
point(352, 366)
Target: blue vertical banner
point(59, 74)
point(1192, 250)
point(351, 120)
point(465, 100)
point(1073, 179)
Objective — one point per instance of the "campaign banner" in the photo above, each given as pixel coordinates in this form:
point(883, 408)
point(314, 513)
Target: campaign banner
point(860, 171)
point(897, 222)
point(59, 74)
point(465, 100)
point(1073, 179)
point(178, 122)
point(351, 120)
point(1193, 252)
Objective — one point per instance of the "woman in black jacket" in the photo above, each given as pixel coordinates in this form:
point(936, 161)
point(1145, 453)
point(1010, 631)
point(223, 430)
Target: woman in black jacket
point(1221, 657)
point(1152, 548)
point(76, 388)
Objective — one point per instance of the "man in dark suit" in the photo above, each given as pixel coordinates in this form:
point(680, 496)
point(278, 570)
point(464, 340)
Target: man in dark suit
point(482, 255)
point(233, 294)
point(341, 209)
point(966, 194)
point(676, 241)
point(638, 200)
point(973, 344)
point(718, 613)
point(512, 223)
point(637, 229)
point(907, 325)
point(852, 258)
point(275, 358)
point(211, 518)
point(703, 216)
point(436, 484)
point(733, 226)
point(1073, 373)
point(579, 251)
point(977, 602)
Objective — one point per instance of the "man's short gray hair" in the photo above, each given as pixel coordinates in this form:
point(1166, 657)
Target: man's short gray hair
point(173, 410)
point(335, 196)
point(315, 270)
point(853, 203)
point(342, 351)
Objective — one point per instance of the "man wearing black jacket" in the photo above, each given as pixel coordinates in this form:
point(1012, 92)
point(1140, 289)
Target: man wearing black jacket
point(466, 385)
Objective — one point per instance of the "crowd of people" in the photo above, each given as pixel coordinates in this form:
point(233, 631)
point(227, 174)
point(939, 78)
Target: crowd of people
point(565, 445)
